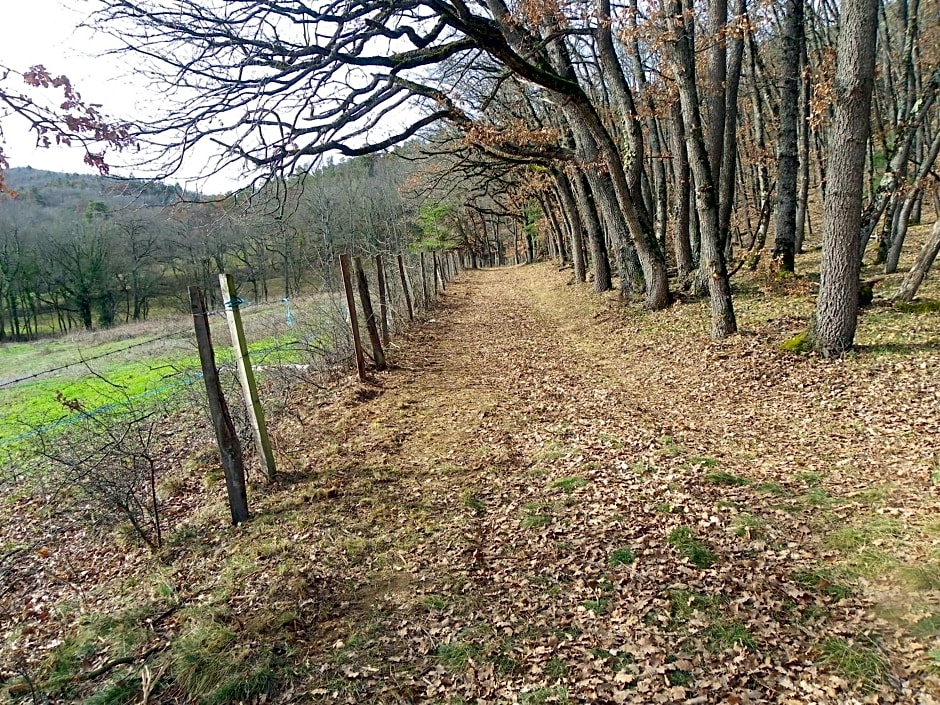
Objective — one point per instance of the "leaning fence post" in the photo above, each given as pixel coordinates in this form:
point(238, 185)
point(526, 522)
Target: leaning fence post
point(438, 275)
point(230, 449)
point(405, 287)
point(377, 354)
point(353, 318)
point(383, 299)
point(246, 377)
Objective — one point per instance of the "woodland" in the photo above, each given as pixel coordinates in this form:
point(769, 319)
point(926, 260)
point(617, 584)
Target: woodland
point(662, 430)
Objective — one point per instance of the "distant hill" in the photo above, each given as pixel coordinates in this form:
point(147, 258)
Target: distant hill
point(51, 189)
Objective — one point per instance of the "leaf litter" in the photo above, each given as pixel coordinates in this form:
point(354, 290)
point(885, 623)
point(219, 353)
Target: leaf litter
point(550, 498)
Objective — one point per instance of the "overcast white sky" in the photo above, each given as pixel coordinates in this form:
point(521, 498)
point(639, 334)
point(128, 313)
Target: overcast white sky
point(45, 32)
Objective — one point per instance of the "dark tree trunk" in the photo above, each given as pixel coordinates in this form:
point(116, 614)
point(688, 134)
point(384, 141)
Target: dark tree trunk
point(713, 99)
point(803, 221)
point(787, 144)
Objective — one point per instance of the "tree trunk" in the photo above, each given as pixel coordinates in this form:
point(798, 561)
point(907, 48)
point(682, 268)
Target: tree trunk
point(681, 199)
point(728, 171)
point(600, 264)
point(914, 278)
point(787, 144)
point(716, 70)
point(570, 206)
point(712, 261)
point(904, 216)
point(836, 317)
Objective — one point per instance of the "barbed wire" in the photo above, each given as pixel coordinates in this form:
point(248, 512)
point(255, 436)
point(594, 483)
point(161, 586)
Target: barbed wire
point(86, 360)
point(100, 410)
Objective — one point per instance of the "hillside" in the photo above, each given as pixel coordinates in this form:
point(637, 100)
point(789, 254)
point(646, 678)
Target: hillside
point(50, 189)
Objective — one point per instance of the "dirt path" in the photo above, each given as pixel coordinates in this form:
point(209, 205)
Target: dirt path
point(548, 504)
point(551, 498)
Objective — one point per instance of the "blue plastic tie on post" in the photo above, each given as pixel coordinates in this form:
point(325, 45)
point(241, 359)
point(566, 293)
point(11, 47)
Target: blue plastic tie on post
point(290, 315)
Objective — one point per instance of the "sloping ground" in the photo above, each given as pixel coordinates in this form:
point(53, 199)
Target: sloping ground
point(549, 501)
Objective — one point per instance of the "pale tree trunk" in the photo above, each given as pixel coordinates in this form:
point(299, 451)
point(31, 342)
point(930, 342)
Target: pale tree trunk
point(600, 264)
point(906, 133)
point(728, 171)
point(914, 278)
point(836, 318)
point(571, 211)
point(681, 199)
point(712, 261)
point(904, 216)
point(787, 145)
point(597, 145)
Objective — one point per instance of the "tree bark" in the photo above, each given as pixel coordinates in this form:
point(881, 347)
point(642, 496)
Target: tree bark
point(570, 206)
point(712, 261)
point(787, 144)
point(915, 277)
point(904, 215)
point(836, 318)
point(681, 198)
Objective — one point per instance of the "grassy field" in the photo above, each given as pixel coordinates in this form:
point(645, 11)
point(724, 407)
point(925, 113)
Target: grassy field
point(85, 372)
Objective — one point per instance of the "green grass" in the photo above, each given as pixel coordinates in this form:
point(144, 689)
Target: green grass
point(683, 604)
point(928, 626)
point(112, 379)
point(622, 556)
point(116, 636)
point(691, 548)
point(472, 502)
point(213, 666)
point(536, 516)
point(774, 488)
point(456, 656)
point(556, 668)
point(923, 577)
point(679, 677)
point(619, 661)
point(569, 484)
point(726, 633)
point(720, 477)
point(859, 659)
point(748, 526)
point(598, 606)
point(668, 447)
point(825, 582)
point(703, 461)
point(542, 696)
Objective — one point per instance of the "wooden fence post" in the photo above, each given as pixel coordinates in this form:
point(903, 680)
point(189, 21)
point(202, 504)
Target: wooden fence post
point(246, 377)
point(353, 318)
point(424, 282)
point(383, 299)
point(230, 449)
point(377, 354)
point(405, 288)
point(438, 275)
